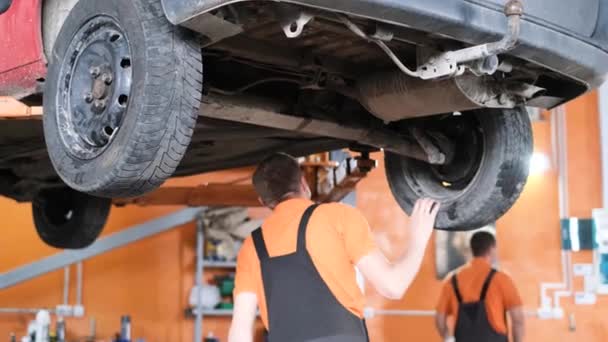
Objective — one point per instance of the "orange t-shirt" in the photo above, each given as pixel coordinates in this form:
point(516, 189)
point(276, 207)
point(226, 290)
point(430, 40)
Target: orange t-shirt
point(501, 296)
point(338, 236)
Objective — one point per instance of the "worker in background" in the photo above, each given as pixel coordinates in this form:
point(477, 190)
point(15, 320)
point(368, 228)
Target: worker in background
point(479, 298)
point(299, 267)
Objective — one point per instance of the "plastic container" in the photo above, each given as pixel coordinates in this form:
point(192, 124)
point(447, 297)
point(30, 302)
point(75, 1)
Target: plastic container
point(211, 338)
point(125, 328)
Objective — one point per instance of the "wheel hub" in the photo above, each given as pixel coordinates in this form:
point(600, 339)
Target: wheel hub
point(101, 85)
point(448, 181)
point(464, 164)
point(95, 87)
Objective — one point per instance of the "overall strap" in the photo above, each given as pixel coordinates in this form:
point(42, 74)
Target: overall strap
point(456, 290)
point(260, 245)
point(486, 285)
point(301, 246)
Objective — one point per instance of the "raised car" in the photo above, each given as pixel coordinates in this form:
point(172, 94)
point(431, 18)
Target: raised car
point(137, 91)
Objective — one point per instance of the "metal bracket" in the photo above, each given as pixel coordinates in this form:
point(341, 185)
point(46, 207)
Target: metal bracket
point(450, 63)
point(294, 24)
point(213, 28)
point(440, 66)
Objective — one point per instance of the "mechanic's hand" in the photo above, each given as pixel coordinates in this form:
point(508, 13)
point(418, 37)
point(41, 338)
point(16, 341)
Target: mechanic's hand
point(423, 220)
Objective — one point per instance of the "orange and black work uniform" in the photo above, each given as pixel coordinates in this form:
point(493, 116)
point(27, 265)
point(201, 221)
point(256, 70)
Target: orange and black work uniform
point(479, 298)
point(300, 264)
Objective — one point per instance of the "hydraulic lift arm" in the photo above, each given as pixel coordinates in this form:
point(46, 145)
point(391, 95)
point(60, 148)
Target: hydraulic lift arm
point(206, 195)
point(13, 109)
point(329, 181)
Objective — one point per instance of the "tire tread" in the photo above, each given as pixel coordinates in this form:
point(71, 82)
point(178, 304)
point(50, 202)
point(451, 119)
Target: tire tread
point(172, 92)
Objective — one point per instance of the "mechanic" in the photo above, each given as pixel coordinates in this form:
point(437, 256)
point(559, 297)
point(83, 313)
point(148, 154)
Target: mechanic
point(299, 267)
point(479, 298)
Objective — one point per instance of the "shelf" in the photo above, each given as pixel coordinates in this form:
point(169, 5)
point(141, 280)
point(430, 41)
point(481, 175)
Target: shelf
point(217, 312)
point(210, 312)
point(219, 264)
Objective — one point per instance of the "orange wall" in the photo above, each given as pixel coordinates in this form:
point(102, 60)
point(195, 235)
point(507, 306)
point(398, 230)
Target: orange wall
point(151, 280)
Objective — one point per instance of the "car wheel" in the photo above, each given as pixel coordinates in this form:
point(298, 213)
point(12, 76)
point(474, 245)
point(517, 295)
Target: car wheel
point(122, 96)
point(65, 218)
point(484, 175)
point(5, 5)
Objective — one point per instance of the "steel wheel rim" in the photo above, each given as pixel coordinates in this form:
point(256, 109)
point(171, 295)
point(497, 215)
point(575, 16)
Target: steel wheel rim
point(95, 87)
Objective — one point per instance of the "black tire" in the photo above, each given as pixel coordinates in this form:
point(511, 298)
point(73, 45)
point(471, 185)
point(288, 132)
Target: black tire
point(162, 83)
point(5, 5)
point(497, 155)
point(65, 218)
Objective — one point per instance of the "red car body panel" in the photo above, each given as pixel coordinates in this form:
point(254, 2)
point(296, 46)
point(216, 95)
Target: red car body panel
point(22, 60)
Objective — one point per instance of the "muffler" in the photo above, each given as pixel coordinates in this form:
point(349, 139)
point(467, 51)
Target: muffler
point(395, 96)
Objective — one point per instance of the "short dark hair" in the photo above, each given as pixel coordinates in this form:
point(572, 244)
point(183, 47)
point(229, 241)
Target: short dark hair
point(481, 243)
point(277, 176)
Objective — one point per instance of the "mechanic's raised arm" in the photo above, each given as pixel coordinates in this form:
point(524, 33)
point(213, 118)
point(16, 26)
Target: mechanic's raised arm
point(441, 323)
point(518, 320)
point(391, 280)
point(243, 318)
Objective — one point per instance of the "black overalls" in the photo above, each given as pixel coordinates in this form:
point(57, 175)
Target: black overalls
point(472, 324)
point(301, 307)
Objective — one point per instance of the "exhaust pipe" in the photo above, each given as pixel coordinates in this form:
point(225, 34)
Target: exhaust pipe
point(395, 96)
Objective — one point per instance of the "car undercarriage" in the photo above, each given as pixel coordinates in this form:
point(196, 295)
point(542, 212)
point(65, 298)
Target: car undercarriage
point(127, 105)
point(314, 75)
